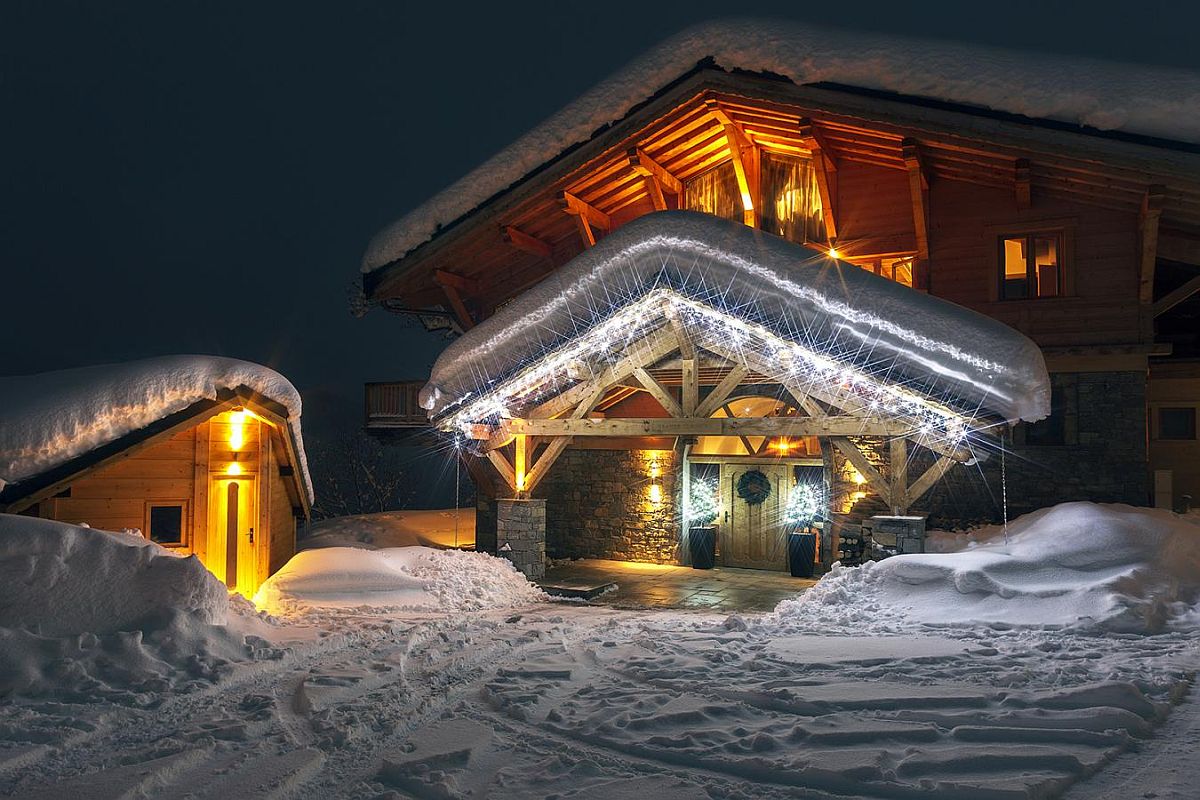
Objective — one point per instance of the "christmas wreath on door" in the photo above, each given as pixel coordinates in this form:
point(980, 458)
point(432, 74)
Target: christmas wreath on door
point(754, 487)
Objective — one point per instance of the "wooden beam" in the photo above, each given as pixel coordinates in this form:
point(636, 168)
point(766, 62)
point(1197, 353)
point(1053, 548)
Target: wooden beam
point(839, 426)
point(1152, 205)
point(468, 285)
point(810, 406)
point(585, 231)
point(1022, 187)
point(465, 320)
point(864, 467)
point(691, 387)
point(721, 391)
point(545, 461)
point(898, 456)
point(654, 190)
point(526, 243)
point(653, 349)
point(918, 187)
point(658, 391)
point(521, 461)
point(1174, 298)
point(745, 158)
point(504, 468)
point(646, 166)
point(822, 167)
point(576, 207)
point(931, 476)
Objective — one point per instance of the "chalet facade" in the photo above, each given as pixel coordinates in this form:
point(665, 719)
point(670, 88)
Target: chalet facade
point(1085, 241)
point(223, 478)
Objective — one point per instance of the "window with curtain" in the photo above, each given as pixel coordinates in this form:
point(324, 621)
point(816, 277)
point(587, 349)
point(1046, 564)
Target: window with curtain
point(791, 204)
point(715, 192)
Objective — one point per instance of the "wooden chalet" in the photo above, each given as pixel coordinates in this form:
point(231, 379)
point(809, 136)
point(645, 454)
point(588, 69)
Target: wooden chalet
point(222, 480)
point(1085, 241)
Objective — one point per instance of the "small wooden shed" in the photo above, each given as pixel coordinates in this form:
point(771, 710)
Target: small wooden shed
point(223, 479)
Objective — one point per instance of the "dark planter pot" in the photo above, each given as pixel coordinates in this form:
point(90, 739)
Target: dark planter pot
point(702, 542)
point(802, 551)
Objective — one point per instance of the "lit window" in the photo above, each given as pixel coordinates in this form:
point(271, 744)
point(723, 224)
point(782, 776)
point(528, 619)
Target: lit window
point(791, 205)
point(715, 192)
point(899, 269)
point(166, 524)
point(1178, 424)
point(1031, 266)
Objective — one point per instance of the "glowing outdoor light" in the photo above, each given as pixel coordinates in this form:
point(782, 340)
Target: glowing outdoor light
point(237, 421)
point(234, 468)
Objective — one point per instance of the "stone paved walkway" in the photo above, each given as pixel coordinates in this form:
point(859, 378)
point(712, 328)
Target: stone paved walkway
point(666, 586)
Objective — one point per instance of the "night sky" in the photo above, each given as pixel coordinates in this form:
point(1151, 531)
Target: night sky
point(203, 177)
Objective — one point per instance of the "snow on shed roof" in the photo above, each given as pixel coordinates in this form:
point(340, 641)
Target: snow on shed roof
point(1135, 99)
point(815, 322)
point(51, 418)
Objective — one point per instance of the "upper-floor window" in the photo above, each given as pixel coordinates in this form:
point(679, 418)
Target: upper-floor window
point(715, 192)
point(1031, 265)
point(791, 205)
point(898, 269)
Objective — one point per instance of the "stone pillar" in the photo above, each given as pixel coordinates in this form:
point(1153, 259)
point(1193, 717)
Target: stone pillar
point(521, 535)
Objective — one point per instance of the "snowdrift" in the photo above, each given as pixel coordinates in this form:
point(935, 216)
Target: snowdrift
point(401, 578)
point(1112, 567)
point(427, 527)
point(50, 418)
point(86, 613)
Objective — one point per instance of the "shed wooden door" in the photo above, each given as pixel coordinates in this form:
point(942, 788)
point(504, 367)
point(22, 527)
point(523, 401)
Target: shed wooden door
point(753, 536)
point(232, 554)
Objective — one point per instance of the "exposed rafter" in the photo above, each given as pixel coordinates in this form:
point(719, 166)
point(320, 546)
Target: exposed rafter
point(1152, 205)
point(721, 391)
point(453, 286)
point(1174, 298)
point(864, 467)
point(587, 217)
point(745, 158)
point(657, 179)
point(523, 241)
point(658, 392)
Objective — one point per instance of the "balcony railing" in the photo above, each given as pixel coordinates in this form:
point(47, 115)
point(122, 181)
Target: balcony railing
point(394, 405)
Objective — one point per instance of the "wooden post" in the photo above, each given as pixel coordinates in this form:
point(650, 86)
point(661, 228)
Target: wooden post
point(823, 167)
point(1152, 204)
point(898, 455)
point(521, 462)
point(200, 479)
point(918, 187)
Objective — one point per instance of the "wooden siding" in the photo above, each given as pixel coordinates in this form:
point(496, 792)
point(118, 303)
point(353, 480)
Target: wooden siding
point(1100, 306)
point(282, 522)
point(115, 497)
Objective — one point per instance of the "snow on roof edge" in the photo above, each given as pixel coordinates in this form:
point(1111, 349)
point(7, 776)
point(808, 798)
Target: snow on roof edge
point(51, 418)
point(1149, 101)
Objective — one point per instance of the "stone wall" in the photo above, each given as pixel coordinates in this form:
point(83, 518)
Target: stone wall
point(521, 533)
point(599, 504)
point(1102, 459)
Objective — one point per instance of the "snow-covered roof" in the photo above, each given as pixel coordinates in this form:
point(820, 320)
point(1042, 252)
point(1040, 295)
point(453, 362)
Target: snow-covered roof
point(51, 418)
point(811, 319)
point(1136, 99)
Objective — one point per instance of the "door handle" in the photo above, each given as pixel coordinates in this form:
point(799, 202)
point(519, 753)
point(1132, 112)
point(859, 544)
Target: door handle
point(251, 535)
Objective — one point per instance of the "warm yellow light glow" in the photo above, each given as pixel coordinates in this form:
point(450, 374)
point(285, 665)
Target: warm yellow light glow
point(655, 493)
point(237, 438)
point(858, 495)
point(782, 445)
point(747, 203)
point(234, 468)
point(833, 253)
point(654, 469)
point(857, 477)
point(521, 462)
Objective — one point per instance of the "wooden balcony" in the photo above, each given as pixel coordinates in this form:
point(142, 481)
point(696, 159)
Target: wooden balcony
point(393, 405)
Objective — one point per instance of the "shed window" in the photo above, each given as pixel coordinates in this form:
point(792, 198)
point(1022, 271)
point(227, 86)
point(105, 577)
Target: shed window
point(1031, 265)
point(1177, 423)
point(791, 205)
point(715, 192)
point(166, 524)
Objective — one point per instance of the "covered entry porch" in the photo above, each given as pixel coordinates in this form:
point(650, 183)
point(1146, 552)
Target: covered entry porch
point(590, 397)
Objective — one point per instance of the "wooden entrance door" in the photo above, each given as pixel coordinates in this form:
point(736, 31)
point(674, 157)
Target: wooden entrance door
point(232, 548)
point(753, 536)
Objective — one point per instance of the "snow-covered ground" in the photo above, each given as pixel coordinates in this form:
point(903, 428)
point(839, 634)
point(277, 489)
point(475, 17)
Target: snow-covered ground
point(857, 689)
point(442, 527)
